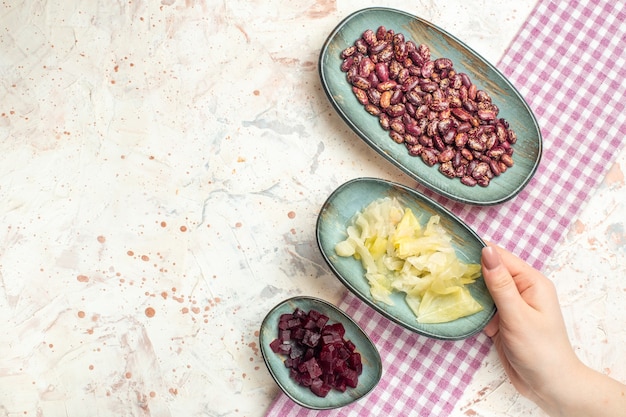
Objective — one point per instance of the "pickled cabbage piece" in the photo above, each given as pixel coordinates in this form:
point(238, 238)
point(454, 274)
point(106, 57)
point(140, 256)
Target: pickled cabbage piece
point(399, 254)
point(439, 308)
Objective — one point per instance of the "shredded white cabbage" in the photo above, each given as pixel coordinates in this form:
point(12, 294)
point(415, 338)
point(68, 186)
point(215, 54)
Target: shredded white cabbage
point(399, 254)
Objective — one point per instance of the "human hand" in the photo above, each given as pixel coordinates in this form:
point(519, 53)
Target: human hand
point(530, 337)
point(528, 330)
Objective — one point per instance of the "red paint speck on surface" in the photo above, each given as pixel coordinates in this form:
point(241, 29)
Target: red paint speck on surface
point(130, 253)
point(183, 228)
point(291, 215)
point(101, 239)
point(82, 278)
point(254, 347)
point(150, 312)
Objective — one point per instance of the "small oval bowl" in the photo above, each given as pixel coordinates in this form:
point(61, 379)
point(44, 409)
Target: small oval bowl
point(372, 364)
point(513, 108)
point(354, 196)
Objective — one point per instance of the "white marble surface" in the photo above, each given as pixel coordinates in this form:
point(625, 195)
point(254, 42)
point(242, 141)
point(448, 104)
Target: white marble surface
point(161, 169)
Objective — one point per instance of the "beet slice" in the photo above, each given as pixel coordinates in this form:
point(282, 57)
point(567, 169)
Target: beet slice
point(319, 388)
point(318, 355)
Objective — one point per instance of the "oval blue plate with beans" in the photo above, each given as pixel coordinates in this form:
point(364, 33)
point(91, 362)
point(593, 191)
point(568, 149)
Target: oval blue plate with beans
point(430, 105)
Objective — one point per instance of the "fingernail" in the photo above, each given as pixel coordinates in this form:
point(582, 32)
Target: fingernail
point(491, 259)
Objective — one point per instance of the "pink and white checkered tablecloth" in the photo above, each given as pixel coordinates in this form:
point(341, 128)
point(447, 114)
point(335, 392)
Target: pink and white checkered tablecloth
point(569, 63)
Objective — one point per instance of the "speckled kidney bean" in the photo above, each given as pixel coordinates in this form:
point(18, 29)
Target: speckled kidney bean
point(372, 109)
point(439, 114)
point(385, 99)
point(447, 169)
point(469, 181)
point(480, 170)
point(396, 136)
point(361, 95)
point(429, 156)
point(361, 83)
point(494, 166)
point(373, 96)
point(396, 125)
point(449, 137)
point(446, 155)
point(384, 120)
point(410, 139)
point(507, 160)
point(461, 114)
point(396, 110)
point(396, 97)
point(415, 150)
point(369, 37)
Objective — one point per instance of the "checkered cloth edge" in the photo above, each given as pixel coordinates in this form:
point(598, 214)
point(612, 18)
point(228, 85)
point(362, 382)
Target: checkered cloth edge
point(568, 62)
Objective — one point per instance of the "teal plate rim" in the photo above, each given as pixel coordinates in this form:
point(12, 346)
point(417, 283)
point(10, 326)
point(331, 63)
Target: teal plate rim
point(527, 151)
point(370, 356)
point(350, 272)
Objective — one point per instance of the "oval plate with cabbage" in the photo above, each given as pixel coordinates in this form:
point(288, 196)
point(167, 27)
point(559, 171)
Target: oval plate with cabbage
point(407, 257)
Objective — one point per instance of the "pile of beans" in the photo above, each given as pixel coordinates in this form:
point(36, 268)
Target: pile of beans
point(438, 113)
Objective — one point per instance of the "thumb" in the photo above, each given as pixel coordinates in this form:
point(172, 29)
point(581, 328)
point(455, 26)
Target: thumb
point(499, 281)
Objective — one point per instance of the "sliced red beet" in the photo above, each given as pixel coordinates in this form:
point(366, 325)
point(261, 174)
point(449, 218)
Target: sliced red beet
point(313, 368)
point(344, 353)
point(311, 338)
point(336, 329)
point(318, 355)
point(350, 346)
point(319, 388)
point(285, 335)
point(354, 361)
point(275, 345)
point(340, 385)
point(350, 377)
